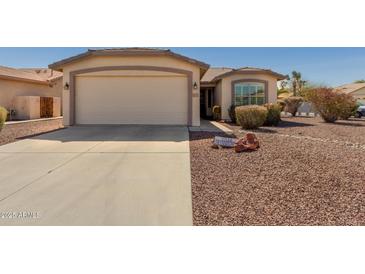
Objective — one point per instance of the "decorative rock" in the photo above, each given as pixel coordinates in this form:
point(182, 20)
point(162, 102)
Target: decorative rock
point(248, 143)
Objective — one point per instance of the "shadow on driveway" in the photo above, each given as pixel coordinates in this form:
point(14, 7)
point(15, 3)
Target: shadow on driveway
point(127, 133)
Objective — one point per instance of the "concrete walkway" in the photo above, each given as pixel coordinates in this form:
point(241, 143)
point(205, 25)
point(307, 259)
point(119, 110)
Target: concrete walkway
point(121, 175)
point(211, 126)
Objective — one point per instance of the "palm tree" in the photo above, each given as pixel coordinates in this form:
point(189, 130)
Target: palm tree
point(297, 82)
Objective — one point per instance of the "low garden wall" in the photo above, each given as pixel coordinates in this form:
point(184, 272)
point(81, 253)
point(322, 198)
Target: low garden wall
point(14, 130)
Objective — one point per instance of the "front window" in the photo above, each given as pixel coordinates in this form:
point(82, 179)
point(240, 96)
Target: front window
point(249, 94)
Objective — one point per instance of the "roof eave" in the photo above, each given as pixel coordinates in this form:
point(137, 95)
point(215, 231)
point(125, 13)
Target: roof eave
point(59, 64)
point(202, 65)
point(277, 75)
point(134, 52)
point(20, 79)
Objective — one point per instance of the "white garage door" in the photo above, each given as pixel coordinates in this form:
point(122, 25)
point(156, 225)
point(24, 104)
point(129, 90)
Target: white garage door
point(155, 100)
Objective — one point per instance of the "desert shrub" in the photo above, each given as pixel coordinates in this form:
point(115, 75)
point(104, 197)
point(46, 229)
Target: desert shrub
point(292, 104)
point(273, 114)
point(332, 105)
point(232, 113)
point(349, 111)
point(251, 117)
point(3, 115)
point(281, 103)
point(216, 112)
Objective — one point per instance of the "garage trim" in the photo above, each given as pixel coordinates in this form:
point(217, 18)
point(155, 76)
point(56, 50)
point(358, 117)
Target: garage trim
point(74, 73)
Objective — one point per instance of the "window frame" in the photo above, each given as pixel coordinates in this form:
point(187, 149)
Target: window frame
point(243, 81)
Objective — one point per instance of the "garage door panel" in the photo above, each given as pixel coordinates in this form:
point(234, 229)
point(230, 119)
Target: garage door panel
point(131, 100)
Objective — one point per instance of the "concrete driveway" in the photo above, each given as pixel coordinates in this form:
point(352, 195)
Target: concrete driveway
point(98, 175)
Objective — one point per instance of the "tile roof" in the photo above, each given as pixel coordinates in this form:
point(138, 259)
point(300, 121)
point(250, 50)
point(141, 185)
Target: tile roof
point(349, 88)
point(214, 74)
point(251, 70)
point(126, 51)
point(44, 73)
point(35, 75)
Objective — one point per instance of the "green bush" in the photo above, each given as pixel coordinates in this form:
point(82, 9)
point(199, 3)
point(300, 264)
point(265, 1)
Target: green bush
point(251, 117)
point(281, 103)
point(3, 115)
point(332, 105)
point(292, 104)
point(273, 114)
point(232, 113)
point(216, 112)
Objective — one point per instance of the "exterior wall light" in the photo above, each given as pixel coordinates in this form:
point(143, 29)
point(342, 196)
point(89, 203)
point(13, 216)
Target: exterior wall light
point(195, 86)
point(67, 86)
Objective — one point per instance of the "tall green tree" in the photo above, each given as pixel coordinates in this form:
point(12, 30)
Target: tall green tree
point(359, 81)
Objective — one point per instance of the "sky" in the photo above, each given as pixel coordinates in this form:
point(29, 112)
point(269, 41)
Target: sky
point(327, 66)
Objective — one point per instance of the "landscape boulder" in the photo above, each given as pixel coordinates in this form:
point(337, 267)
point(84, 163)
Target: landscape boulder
point(247, 143)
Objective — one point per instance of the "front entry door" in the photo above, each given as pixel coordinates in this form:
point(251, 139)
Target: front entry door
point(209, 101)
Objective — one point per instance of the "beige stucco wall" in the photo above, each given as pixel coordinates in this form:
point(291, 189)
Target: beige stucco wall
point(9, 89)
point(359, 94)
point(157, 61)
point(27, 107)
point(57, 106)
point(225, 90)
point(218, 94)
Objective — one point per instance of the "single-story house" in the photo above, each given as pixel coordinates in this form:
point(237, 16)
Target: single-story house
point(357, 90)
point(154, 86)
point(20, 88)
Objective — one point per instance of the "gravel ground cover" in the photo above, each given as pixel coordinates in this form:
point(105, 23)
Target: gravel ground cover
point(288, 181)
point(13, 132)
point(352, 130)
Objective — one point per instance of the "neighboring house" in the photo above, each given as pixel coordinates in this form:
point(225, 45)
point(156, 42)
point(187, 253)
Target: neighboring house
point(154, 86)
point(18, 86)
point(357, 90)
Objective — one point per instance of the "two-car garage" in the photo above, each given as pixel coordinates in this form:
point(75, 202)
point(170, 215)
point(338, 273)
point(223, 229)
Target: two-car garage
point(136, 97)
point(131, 86)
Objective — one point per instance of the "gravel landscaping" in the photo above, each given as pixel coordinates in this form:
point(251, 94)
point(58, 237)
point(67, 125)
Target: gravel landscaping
point(14, 131)
point(314, 179)
point(352, 130)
